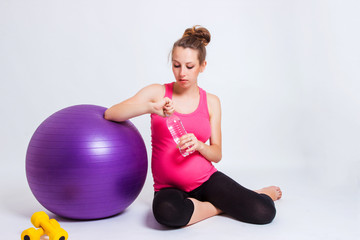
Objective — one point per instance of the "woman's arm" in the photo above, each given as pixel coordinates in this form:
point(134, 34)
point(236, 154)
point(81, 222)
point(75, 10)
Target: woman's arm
point(213, 151)
point(147, 100)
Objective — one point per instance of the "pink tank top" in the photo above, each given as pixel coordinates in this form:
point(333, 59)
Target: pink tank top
point(169, 167)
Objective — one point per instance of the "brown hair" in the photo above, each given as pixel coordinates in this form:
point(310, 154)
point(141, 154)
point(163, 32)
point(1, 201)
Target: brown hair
point(196, 38)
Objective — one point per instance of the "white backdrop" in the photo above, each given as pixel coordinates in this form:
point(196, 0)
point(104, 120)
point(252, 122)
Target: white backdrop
point(287, 73)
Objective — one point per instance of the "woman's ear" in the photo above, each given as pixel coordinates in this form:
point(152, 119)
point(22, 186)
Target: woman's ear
point(203, 66)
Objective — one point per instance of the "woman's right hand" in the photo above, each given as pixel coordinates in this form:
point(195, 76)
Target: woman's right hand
point(164, 107)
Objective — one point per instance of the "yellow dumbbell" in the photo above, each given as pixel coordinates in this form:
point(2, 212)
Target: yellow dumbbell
point(50, 226)
point(32, 234)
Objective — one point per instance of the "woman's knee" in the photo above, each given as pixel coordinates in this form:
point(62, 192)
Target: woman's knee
point(260, 211)
point(264, 212)
point(172, 208)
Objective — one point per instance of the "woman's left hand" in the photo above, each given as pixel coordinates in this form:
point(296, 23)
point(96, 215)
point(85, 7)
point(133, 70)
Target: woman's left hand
point(190, 143)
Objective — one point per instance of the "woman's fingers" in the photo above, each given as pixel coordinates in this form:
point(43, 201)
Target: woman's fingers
point(168, 107)
point(188, 141)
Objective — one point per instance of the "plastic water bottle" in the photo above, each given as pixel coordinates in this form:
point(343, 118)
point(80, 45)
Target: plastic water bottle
point(177, 130)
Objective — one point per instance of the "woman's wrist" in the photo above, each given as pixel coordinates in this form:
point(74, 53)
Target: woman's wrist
point(201, 146)
point(151, 107)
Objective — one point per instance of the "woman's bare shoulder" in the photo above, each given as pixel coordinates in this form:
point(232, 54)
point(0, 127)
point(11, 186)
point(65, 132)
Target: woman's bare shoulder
point(153, 91)
point(155, 87)
point(214, 104)
point(213, 99)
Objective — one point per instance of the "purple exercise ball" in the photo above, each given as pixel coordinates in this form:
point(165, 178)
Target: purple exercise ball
point(81, 166)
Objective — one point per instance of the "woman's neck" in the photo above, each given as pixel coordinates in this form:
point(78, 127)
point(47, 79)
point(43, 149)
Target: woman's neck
point(190, 91)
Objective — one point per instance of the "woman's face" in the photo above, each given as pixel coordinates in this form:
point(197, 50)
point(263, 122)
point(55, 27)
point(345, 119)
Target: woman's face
point(186, 66)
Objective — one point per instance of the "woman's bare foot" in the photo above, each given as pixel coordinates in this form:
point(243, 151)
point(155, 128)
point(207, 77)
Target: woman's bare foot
point(272, 191)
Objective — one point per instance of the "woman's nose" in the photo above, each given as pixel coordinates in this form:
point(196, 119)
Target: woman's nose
point(182, 72)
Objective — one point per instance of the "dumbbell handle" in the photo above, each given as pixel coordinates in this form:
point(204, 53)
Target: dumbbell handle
point(49, 227)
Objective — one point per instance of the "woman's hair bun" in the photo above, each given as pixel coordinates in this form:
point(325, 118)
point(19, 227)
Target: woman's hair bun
point(198, 32)
point(196, 38)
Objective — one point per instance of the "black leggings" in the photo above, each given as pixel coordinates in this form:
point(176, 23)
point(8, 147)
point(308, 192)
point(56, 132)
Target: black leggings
point(171, 206)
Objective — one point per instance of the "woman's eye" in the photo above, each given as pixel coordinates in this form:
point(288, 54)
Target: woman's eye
point(188, 67)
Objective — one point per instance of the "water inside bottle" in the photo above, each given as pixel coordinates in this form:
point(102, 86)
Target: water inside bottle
point(177, 139)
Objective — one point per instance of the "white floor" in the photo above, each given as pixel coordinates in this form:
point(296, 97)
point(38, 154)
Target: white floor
point(310, 209)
